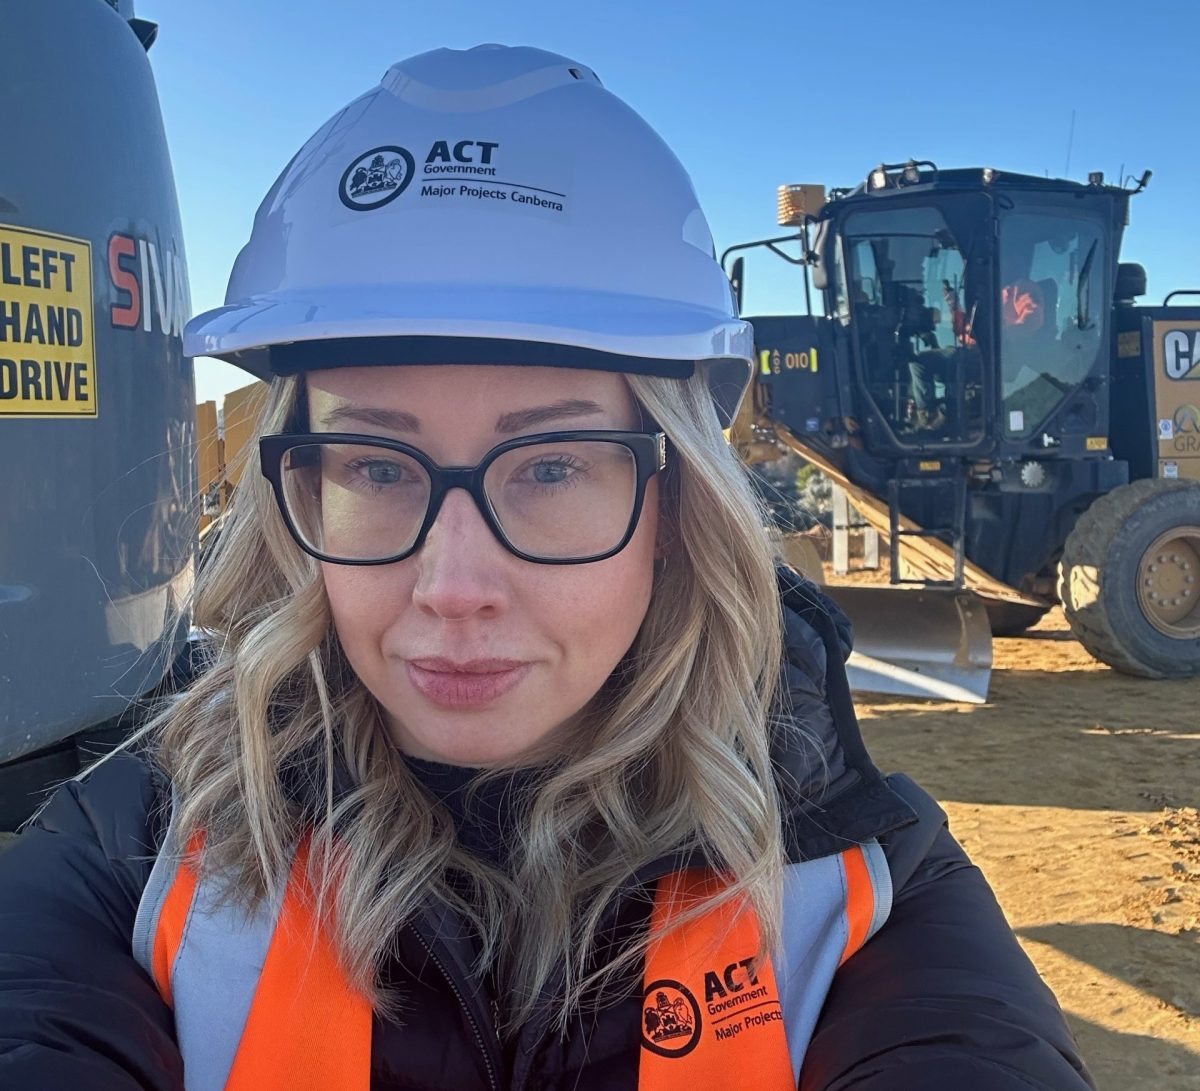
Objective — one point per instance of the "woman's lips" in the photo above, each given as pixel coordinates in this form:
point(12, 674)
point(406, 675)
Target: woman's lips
point(470, 688)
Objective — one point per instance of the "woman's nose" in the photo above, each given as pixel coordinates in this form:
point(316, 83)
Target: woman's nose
point(460, 564)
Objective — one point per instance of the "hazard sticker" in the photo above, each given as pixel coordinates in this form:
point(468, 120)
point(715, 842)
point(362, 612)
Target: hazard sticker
point(47, 344)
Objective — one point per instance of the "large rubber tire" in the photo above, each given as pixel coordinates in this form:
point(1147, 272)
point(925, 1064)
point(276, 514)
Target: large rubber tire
point(1099, 571)
point(1012, 618)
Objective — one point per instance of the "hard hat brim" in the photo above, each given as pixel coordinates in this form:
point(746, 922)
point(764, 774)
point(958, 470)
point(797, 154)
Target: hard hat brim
point(356, 326)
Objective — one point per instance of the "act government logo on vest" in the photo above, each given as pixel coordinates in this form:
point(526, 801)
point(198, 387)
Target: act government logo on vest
point(736, 1001)
point(670, 1019)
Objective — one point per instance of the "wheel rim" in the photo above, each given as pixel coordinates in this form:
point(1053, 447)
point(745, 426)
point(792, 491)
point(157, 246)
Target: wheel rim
point(1169, 583)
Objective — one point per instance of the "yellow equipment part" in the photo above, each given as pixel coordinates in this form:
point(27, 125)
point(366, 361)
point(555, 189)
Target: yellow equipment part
point(223, 452)
point(1177, 396)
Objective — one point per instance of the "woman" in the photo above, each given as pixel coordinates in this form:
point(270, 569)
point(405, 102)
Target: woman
point(494, 779)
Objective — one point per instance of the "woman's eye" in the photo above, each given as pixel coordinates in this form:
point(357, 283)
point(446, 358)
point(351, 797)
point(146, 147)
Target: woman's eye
point(550, 473)
point(383, 473)
point(375, 471)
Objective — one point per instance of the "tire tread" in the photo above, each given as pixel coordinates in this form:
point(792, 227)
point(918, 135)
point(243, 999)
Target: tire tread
point(1089, 544)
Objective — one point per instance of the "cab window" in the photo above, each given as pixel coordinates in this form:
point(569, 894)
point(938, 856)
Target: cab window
point(1052, 311)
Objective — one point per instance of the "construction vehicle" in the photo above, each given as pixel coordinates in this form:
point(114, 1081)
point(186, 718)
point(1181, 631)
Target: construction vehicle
point(984, 384)
point(97, 403)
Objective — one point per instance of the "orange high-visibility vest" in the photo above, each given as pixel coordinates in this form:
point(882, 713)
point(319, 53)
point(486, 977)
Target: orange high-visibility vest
point(261, 1001)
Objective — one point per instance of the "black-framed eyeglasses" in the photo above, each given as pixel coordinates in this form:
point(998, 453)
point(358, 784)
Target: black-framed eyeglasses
point(551, 498)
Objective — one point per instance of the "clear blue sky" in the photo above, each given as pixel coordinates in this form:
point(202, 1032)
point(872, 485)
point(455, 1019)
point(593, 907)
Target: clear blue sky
point(749, 94)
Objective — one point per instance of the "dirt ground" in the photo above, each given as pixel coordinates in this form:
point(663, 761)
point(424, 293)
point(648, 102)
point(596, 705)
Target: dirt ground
point(1075, 789)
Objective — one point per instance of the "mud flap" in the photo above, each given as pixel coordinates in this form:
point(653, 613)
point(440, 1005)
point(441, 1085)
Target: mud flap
point(927, 642)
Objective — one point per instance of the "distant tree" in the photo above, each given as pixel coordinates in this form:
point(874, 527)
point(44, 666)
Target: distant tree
point(815, 490)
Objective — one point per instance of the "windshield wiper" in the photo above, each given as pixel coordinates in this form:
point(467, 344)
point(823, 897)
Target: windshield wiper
point(1081, 289)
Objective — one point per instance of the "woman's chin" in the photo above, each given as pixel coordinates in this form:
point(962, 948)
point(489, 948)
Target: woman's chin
point(477, 745)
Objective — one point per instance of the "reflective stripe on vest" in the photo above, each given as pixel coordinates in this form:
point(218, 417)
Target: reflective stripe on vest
point(261, 1001)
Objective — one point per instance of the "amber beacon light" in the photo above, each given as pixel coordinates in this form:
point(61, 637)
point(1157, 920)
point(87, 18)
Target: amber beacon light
point(796, 202)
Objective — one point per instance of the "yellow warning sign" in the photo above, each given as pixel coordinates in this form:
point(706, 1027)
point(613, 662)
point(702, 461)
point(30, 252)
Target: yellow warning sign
point(47, 344)
point(1129, 344)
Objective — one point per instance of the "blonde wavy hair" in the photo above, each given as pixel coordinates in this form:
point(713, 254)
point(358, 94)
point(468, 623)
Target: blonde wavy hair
point(278, 740)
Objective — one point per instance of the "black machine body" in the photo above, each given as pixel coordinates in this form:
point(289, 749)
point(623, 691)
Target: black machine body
point(972, 329)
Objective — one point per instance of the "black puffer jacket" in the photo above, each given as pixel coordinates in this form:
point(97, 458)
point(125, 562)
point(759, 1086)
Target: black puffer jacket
point(942, 996)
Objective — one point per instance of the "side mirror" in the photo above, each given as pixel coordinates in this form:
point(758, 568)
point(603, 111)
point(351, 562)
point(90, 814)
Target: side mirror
point(735, 279)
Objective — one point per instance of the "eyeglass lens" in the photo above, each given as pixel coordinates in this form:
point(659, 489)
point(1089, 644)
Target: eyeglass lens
point(555, 501)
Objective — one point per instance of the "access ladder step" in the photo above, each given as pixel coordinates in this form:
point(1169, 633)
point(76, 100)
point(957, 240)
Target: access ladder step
point(953, 536)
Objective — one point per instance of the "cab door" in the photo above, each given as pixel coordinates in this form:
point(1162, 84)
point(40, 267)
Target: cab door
point(914, 288)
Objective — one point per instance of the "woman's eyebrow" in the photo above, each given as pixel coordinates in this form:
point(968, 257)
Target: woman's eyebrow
point(520, 419)
point(397, 420)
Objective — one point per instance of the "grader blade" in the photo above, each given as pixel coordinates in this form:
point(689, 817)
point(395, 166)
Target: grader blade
point(929, 642)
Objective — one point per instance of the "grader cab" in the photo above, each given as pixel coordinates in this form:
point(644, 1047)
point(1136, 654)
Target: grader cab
point(985, 384)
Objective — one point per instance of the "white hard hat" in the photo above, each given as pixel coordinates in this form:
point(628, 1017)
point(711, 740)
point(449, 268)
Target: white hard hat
point(489, 205)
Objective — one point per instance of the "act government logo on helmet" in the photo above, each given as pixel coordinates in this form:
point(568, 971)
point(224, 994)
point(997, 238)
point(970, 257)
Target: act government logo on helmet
point(670, 1019)
point(376, 178)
